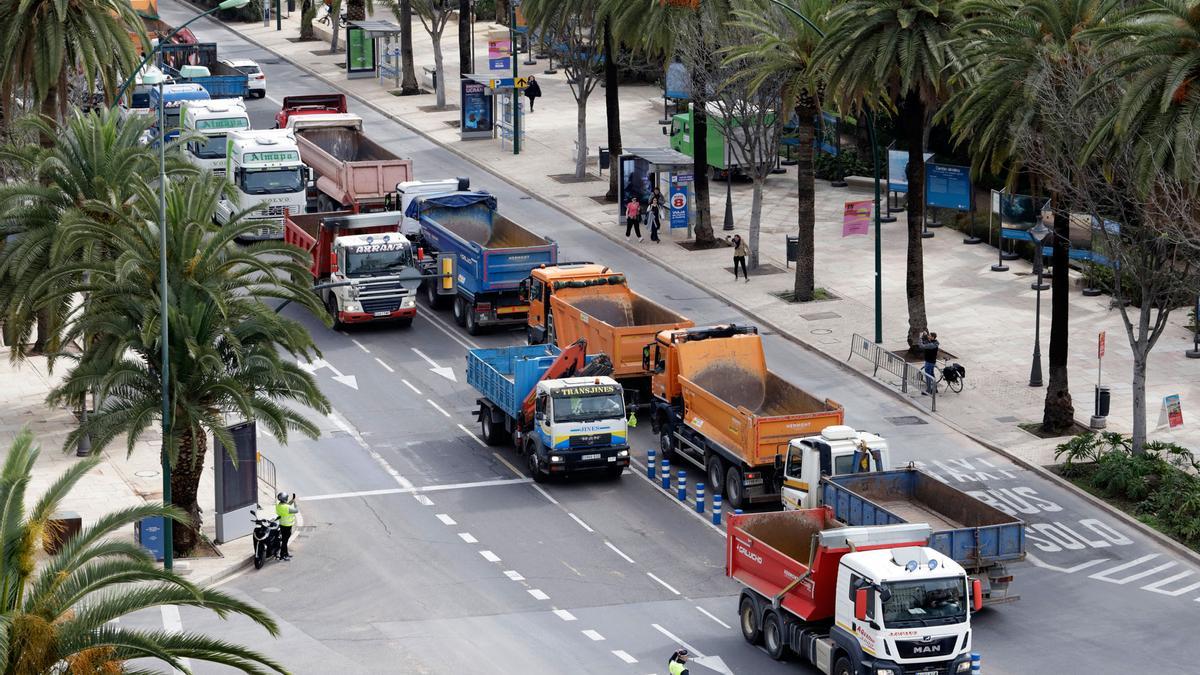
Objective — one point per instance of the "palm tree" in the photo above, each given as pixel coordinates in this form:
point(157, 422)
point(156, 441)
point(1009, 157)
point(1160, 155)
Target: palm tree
point(902, 50)
point(60, 617)
point(465, 28)
point(96, 159)
point(1008, 50)
point(229, 352)
point(44, 41)
point(1161, 102)
point(783, 47)
point(408, 81)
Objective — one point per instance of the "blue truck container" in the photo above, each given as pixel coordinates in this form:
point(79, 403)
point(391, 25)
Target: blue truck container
point(494, 255)
point(980, 537)
point(228, 83)
point(173, 98)
point(506, 375)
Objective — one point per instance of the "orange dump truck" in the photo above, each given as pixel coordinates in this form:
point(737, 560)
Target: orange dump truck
point(716, 405)
point(570, 301)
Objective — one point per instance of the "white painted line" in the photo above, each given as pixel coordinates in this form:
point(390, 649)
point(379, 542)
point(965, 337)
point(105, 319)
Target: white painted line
point(436, 406)
point(489, 556)
point(446, 519)
point(580, 521)
point(704, 518)
point(466, 536)
point(472, 435)
point(340, 331)
point(564, 615)
point(514, 575)
point(380, 362)
point(1106, 575)
point(410, 386)
point(423, 500)
point(1065, 570)
point(669, 587)
point(360, 345)
point(619, 552)
point(538, 594)
point(344, 424)
point(1156, 587)
point(692, 651)
point(172, 623)
point(441, 325)
point(624, 656)
point(545, 494)
point(592, 635)
point(705, 612)
point(426, 488)
point(510, 466)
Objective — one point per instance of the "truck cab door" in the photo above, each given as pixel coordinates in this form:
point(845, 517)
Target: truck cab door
point(542, 418)
point(796, 487)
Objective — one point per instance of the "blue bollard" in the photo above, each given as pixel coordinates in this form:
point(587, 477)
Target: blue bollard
point(681, 485)
point(716, 509)
point(650, 463)
point(699, 497)
point(975, 666)
point(666, 474)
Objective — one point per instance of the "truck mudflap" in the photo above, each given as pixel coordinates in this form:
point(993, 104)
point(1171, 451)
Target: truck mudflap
point(364, 317)
point(587, 459)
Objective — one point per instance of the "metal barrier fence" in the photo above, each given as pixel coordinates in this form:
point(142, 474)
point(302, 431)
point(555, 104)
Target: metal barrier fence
point(913, 379)
point(266, 471)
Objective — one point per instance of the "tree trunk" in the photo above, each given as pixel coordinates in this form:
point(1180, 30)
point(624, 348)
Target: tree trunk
point(581, 139)
point(307, 13)
point(807, 204)
point(408, 81)
point(756, 201)
point(465, 29)
point(502, 12)
point(913, 119)
point(185, 483)
point(438, 70)
point(1140, 357)
point(356, 10)
point(612, 112)
point(1059, 414)
point(49, 110)
point(704, 227)
point(335, 25)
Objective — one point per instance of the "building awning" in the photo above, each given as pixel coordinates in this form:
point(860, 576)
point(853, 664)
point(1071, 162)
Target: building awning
point(376, 28)
point(661, 158)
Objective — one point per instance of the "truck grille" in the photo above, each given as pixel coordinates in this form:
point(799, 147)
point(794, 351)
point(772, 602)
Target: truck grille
point(381, 296)
point(380, 304)
point(589, 440)
point(919, 649)
point(274, 211)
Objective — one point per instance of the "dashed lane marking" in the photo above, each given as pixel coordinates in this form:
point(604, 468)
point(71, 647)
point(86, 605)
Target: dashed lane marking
point(423, 500)
point(538, 594)
point(705, 612)
point(564, 615)
point(384, 364)
point(545, 494)
point(514, 575)
point(360, 345)
point(410, 386)
point(665, 585)
point(489, 556)
point(619, 552)
point(624, 656)
point(446, 519)
point(592, 635)
point(580, 521)
point(437, 407)
point(468, 537)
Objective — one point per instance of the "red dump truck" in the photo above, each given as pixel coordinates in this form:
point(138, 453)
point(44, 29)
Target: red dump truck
point(716, 405)
point(850, 600)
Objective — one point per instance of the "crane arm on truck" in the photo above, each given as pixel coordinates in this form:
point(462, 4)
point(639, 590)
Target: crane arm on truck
point(570, 361)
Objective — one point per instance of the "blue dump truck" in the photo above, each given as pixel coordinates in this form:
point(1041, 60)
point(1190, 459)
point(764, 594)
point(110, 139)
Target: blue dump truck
point(561, 415)
point(978, 536)
point(197, 63)
point(494, 255)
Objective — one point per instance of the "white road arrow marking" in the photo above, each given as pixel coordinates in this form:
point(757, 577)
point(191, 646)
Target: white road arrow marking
point(445, 371)
point(314, 366)
point(697, 657)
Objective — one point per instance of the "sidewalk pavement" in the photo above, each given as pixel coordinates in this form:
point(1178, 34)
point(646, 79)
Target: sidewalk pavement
point(984, 318)
point(119, 481)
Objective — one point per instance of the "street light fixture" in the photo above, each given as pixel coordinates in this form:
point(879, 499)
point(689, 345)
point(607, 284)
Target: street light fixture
point(1039, 233)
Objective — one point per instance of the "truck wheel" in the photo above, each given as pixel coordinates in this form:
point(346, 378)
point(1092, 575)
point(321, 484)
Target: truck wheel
point(666, 445)
point(773, 636)
point(615, 473)
point(331, 307)
point(472, 322)
point(535, 466)
point(406, 322)
point(460, 311)
point(842, 666)
point(716, 469)
point(491, 434)
point(735, 492)
point(748, 618)
point(431, 295)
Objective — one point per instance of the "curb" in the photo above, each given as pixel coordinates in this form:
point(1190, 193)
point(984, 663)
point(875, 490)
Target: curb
point(1111, 510)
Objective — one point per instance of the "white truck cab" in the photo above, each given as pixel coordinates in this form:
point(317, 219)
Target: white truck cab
point(369, 263)
point(837, 450)
point(265, 167)
point(574, 413)
point(211, 121)
point(407, 191)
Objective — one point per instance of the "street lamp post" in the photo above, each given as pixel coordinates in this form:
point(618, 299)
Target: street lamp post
point(516, 96)
point(875, 161)
point(1194, 352)
point(1039, 234)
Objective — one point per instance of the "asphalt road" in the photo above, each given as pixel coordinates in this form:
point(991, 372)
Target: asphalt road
point(482, 571)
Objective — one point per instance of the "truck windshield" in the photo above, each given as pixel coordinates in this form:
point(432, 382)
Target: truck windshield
point(271, 181)
point(376, 259)
point(209, 147)
point(930, 602)
point(572, 408)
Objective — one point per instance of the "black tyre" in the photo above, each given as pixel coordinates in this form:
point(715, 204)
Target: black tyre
point(614, 473)
point(716, 472)
point(490, 432)
point(259, 557)
point(735, 492)
point(774, 640)
point(431, 295)
point(957, 385)
point(666, 445)
point(535, 467)
point(748, 618)
point(331, 307)
point(842, 666)
point(406, 322)
point(472, 322)
point(460, 311)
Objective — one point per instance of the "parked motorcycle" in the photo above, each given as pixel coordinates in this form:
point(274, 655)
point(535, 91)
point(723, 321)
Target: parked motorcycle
point(266, 539)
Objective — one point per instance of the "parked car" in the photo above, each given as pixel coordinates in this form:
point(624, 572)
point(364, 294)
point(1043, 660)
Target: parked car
point(257, 78)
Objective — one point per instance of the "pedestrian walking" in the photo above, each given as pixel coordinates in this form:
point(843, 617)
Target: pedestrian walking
point(929, 346)
point(286, 511)
point(633, 218)
point(654, 213)
point(740, 251)
point(532, 91)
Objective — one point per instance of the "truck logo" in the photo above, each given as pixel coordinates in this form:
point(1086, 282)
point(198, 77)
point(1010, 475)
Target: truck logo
point(753, 556)
point(927, 649)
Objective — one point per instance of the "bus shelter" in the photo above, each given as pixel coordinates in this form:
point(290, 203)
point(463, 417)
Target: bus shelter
point(643, 169)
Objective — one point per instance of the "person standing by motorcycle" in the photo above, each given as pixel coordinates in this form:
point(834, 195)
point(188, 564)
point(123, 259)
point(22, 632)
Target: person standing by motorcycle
point(286, 511)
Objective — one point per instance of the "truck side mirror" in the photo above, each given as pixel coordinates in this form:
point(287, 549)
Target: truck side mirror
point(646, 357)
point(523, 291)
point(860, 604)
point(976, 595)
point(778, 462)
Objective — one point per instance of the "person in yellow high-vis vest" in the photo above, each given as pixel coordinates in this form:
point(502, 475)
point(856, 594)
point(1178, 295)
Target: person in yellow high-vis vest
point(678, 663)
point(286, 511)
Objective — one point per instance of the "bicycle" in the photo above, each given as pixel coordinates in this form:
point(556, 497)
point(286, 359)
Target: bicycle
point(953, 376)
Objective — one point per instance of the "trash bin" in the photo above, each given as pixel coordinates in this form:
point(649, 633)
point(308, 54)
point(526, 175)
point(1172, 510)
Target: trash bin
point(291, 6)
point(1102, 400)
point(149, 534)
point(605, 162)
point(793, 248)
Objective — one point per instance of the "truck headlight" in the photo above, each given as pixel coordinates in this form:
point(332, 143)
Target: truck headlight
point(352, 291)
point(556, 458)
point(353, 307)
point(622, 453)
point(964, 667)
point(408, 301)
point(884, 671)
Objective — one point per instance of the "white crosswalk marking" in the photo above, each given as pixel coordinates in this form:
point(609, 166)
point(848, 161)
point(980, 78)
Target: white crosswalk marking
point(1107, 575)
